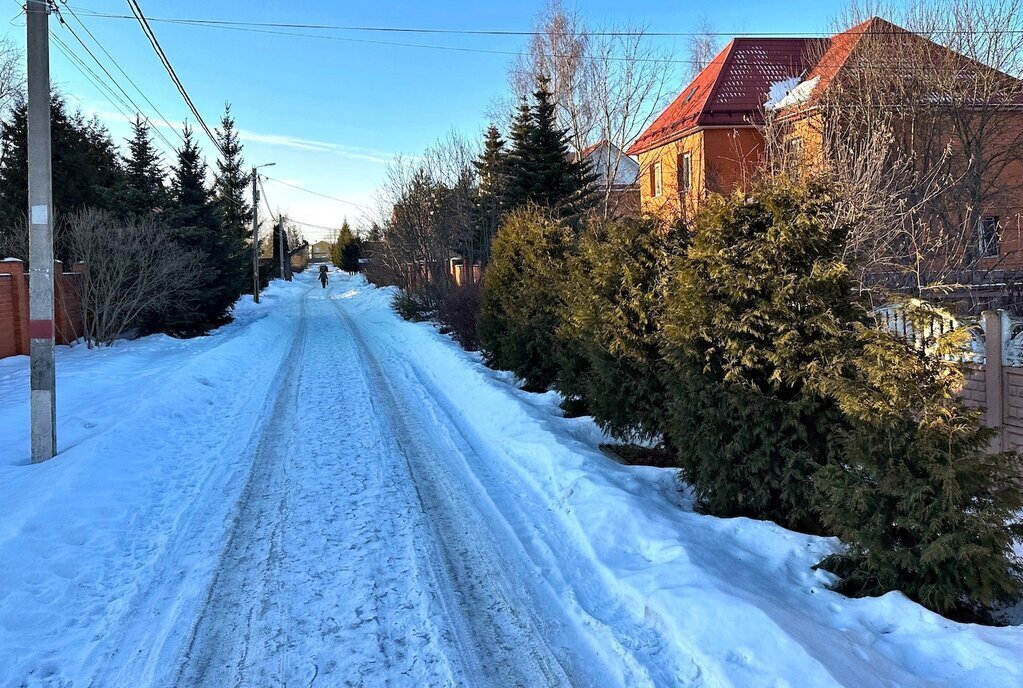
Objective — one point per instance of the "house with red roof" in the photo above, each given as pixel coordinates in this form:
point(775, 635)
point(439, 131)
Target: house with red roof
point(711, 138)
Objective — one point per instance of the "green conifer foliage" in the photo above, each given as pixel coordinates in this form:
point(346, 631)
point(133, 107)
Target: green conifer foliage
point(522, 290)
point(921, 504)
point(231, 186)
point(143, 191)
point(612, 318)
point(760, 301)
point(196, 224)
point(541, 167)
point(86, 170)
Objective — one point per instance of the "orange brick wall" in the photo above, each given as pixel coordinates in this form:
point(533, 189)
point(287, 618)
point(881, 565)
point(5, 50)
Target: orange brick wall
point(723, 159)
point(14, 306)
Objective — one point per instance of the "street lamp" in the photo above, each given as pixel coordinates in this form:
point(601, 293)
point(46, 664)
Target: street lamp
point(255, 230)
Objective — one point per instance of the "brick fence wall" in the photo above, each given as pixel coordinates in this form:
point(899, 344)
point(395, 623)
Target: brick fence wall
point(67, 313)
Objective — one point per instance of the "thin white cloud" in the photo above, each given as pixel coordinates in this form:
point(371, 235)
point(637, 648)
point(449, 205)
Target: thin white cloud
point(354, 152)
point(296, 142)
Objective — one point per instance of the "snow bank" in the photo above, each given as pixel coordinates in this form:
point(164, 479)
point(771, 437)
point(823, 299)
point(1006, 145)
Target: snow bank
point(96, 545)
point(737, 597)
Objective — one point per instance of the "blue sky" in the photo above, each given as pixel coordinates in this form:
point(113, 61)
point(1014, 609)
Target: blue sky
point(330, 113)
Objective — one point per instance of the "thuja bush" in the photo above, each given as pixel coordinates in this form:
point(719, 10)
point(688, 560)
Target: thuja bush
point(522, 290)
point(921, 504)
point(760, 301)
point(611, 321)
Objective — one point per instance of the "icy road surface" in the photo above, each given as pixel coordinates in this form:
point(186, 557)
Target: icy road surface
point(323, 495)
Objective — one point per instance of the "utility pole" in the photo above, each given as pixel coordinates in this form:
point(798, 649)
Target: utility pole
point(281, 247)
point(255, 230)
point(255, 238)
point(40, 252)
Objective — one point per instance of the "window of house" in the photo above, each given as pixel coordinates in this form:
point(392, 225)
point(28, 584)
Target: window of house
point(655, 180)
point(685, 172)
point(794, 159)
point(987, 236)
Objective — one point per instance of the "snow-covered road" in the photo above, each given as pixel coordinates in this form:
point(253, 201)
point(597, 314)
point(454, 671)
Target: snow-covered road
point(323, 495)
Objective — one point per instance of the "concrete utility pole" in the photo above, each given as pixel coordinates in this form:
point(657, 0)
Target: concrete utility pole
point(255, 238)
point(255, 230)
point(280, 246)
point(40, 251)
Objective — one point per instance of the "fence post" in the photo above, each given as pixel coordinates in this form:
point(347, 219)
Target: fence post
point(993, 378)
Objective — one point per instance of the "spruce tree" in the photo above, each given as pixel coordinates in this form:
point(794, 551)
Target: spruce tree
point(541, 167)
point(195, 220)
point(86, 169)
point(143, 190)
point(231, 185)
point(491, 168)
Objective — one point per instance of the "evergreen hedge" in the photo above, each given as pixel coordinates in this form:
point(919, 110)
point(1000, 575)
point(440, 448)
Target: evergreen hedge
point(759, 301)
point(921, 504)
point(522, 290)
point(611, 324)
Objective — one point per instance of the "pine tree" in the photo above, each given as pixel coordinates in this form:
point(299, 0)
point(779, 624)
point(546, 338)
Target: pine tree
point(541, 167)
point(143, 191)
point(196, 223)
point(231, 185)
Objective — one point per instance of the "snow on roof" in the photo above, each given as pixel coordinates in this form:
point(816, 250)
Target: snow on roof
point(795, 93)
point(731, 89)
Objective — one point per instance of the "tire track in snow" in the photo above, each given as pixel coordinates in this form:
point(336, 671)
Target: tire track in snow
point(503, 634)
point(318, 584)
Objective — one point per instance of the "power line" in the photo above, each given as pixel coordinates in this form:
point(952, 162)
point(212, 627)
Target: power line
point(159, 114)
point(321, 195)
point(153, 41)
point(128, 98)
point(512, 32)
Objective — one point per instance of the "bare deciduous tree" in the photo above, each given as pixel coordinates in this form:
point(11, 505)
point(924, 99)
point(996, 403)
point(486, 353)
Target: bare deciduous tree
point(133, 268)
point(922, 131)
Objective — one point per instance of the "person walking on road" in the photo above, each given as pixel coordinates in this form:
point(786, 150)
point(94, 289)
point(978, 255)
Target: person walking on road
point(324, 278)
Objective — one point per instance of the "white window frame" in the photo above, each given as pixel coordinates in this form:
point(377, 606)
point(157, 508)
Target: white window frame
point(658, 180)
point(988, 246)
point(685, 175)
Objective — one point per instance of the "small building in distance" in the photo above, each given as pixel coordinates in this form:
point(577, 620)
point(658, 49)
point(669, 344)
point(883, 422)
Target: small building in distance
point(320, 252)
point(609, 162)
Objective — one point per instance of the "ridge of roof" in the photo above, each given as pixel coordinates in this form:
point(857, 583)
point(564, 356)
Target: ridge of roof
point(728, 91)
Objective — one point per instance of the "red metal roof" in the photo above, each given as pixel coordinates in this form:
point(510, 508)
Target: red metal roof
point(731, 90)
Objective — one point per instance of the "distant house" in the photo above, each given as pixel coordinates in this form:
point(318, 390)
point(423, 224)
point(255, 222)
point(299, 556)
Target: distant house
point(609, 162)
point(320, 252)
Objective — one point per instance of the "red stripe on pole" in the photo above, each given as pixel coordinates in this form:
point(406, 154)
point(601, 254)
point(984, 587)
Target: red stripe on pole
point(40, 329)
